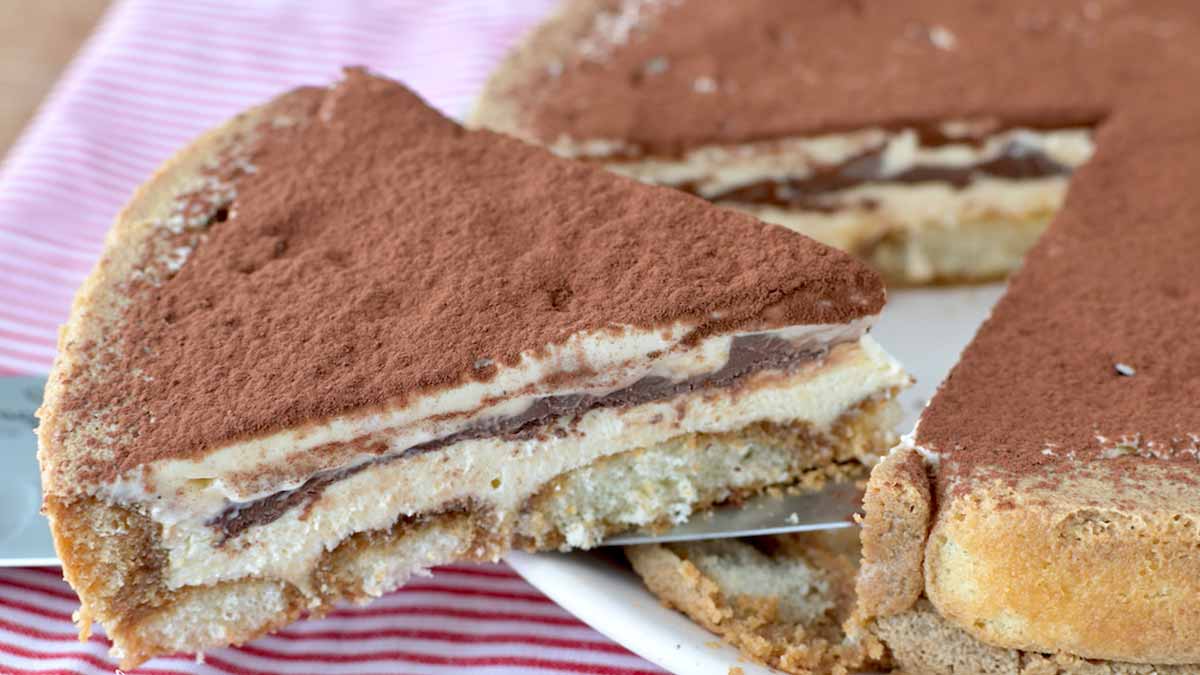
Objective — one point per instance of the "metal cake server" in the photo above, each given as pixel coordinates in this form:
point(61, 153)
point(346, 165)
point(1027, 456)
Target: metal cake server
point(25, 537)
point(828, 509)
point(24, 534)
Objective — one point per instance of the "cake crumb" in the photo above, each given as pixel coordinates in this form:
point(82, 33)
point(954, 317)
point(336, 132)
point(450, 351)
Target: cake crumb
point(783, 605)
point(942, 38)
point(656, 66)
point(736, 670)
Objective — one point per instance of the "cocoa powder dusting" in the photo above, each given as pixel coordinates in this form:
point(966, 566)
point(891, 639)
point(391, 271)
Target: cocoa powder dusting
point(699, 72)
point(1115, 281)
point(378, 251)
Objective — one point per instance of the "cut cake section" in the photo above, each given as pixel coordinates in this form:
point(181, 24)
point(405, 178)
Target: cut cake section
point(341, 339)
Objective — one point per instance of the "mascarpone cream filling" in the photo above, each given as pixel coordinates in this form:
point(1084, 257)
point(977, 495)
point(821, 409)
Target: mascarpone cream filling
point(714, 170)
point(500, 474)
point(596, 364)
point(915, 207)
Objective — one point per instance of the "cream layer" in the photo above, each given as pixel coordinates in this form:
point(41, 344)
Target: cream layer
point(713, 170)
point(597, 363)
point(500, 474)
point(914, 207)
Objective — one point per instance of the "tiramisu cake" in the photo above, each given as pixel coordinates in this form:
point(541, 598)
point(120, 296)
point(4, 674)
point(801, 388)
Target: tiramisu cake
point(785, 110)
point(341, 339)
point(1045, 517)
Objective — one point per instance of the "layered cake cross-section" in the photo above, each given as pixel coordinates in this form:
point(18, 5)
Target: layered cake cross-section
point(342, 339)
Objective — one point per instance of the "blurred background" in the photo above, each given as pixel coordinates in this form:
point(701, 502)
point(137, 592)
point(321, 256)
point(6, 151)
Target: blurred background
point(37, 39)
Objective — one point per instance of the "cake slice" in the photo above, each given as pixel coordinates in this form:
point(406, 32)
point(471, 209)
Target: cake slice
point(341, 339)
point(760, 106)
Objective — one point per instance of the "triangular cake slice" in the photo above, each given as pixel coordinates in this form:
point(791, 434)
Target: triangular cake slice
point(762, 106)
point(341, 339)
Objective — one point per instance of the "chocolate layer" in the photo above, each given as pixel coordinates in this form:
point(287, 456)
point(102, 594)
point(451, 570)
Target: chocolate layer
point(748, 354)
point(1015, 162)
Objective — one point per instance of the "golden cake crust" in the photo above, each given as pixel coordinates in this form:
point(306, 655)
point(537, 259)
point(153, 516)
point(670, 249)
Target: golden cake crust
point(922, 642)
point(720, 584)
point(119, 578)
point(1023, 579)
point(1083, 566)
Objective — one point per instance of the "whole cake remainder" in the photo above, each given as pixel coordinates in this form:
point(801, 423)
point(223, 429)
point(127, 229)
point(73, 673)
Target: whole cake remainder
point(872, 126)
point(1045, 516)
point(342, 339)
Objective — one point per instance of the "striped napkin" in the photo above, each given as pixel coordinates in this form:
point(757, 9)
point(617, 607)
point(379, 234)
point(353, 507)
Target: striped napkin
point(155, 74)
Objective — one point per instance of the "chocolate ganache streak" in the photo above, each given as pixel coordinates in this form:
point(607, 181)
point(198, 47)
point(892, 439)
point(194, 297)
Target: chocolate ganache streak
point(1015, 162)
point(748, 354)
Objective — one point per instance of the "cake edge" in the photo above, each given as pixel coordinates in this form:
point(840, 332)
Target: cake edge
point(556, 36)
point(908, 529)
point(58, 458)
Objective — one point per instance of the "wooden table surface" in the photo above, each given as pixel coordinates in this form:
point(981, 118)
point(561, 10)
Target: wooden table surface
point(37, 39)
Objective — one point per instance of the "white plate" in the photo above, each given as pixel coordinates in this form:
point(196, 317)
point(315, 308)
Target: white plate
point(925, 329)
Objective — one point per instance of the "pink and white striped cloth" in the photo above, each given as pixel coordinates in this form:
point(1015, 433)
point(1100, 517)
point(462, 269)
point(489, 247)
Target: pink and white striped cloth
point(155, 74)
